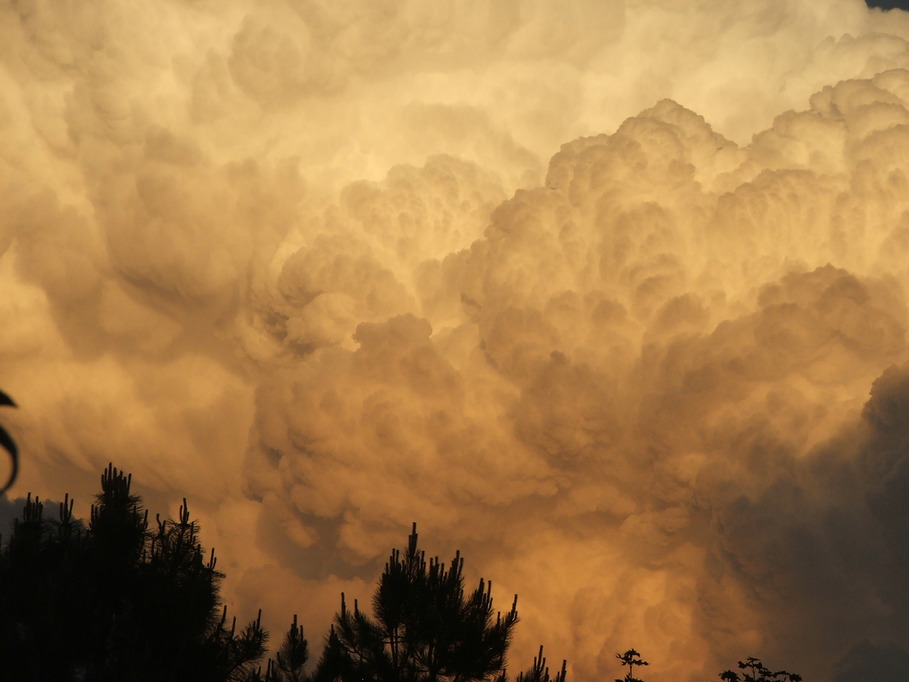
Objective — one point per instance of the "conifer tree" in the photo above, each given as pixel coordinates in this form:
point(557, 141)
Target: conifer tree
point(539, 671)
point(113, 601)
point(426, 627)
point(289, 662)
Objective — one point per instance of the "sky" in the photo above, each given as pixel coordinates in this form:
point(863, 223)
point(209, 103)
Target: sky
point(888, 4)
point(610, 296)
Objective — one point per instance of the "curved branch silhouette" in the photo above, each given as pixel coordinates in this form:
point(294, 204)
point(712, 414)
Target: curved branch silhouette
point(8, 444)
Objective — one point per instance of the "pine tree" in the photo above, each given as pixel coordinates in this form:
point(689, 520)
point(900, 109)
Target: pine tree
point(290, 660)
point(113, 601)
point(539, 671)
point(426, 627)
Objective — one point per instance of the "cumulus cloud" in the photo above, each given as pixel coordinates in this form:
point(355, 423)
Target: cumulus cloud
point(596, 293)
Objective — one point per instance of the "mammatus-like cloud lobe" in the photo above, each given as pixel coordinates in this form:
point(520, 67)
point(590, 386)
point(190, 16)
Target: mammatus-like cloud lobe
point(610, 296)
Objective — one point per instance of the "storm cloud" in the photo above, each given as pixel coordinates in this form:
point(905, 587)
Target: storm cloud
point(610, 296)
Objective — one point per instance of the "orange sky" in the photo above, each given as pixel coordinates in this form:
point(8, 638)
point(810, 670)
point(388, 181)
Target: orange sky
point(609, 296)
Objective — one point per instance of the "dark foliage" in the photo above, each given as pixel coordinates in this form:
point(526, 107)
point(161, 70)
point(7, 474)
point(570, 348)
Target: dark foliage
point(631, 658)
point(115, 601)
point(290, 661)
point(756, 671)
point(426, 627)
point(8, 444)
point(539, 671)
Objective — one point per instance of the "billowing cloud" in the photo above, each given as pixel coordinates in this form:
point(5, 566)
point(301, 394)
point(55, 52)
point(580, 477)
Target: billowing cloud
point(610, 296)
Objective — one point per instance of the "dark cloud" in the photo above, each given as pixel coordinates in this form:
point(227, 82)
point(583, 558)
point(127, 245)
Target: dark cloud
point(865, 662)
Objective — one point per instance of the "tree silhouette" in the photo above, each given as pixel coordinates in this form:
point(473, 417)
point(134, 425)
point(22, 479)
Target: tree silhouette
point(113, 601)
point(756, 671)
point(631, 658)
point(8, 444)
point(425, 628)
point(289, 662)
point(539, 672)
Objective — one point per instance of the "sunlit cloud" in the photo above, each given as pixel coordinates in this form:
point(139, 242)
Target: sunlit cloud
point(610, 296)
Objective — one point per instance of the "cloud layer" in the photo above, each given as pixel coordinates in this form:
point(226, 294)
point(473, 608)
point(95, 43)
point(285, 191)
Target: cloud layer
point(612, 297)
